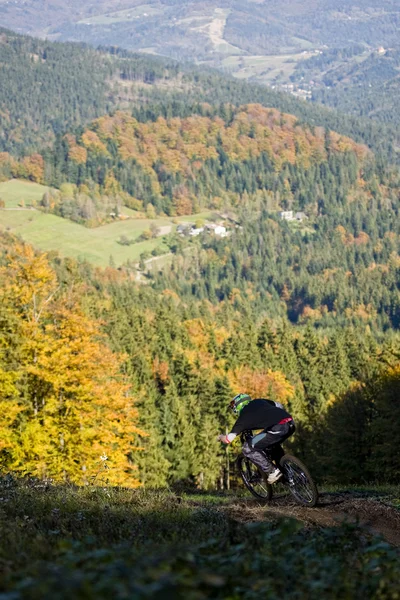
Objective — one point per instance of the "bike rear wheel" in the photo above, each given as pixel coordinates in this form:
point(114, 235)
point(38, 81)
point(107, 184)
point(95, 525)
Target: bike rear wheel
point(299, 480)
point(254, 479)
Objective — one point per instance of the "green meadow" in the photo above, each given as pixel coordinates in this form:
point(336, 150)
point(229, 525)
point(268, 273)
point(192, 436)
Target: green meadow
point(264, 68)
point(122, 16)
point(15, 191)
point(49, 232)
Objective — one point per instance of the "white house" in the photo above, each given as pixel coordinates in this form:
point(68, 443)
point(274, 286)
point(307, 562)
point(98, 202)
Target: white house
point(196, 231)
point(286, 215)
point(220, 231)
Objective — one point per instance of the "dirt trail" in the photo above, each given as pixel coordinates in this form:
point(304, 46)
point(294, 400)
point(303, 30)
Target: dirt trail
point(332, 509)
point(215, 28)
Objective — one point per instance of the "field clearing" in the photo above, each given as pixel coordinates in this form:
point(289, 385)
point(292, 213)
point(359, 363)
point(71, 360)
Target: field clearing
point(49, 232)
point(15, 190)
point(264, 68)
point(122, 16)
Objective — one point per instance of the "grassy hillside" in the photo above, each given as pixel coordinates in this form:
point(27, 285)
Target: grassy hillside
point(17, 192)
point(100, 542)
point(49, 232)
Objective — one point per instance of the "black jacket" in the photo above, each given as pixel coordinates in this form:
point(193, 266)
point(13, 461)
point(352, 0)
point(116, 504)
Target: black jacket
point(259, 414)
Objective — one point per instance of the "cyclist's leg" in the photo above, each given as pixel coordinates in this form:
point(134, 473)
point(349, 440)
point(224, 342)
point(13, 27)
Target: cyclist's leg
point(253, 449)
point(257, 457)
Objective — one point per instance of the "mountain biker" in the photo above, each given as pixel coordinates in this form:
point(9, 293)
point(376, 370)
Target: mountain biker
point(277, 425)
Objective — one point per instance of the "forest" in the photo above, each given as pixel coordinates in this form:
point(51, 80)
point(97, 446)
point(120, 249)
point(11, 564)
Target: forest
point(114, 386)
point(179, 29)
point(277, 307)
point(181, 166)
point(367, 87)
point(85, 349)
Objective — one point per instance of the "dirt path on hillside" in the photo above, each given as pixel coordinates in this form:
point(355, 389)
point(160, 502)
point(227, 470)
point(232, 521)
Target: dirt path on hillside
point(215, 28)
point(333, 508)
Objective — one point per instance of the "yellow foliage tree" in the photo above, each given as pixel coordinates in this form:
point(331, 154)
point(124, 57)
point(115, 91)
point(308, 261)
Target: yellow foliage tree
point(261, 384)
point(68, 405)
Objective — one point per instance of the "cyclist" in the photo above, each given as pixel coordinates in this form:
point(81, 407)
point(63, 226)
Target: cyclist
point(272, 418)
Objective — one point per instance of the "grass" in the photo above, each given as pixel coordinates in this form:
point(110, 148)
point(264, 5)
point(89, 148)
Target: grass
point(122, 16)
point(65, 542)
point(264, 68)
point(15, 190)
point(386, 493)
point(49, 232)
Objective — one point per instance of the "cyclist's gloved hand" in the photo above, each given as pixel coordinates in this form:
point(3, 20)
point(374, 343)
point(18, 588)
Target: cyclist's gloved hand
point(222, 438)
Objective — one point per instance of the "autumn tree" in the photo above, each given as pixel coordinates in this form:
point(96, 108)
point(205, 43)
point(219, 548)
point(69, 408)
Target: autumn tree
point(67, 402)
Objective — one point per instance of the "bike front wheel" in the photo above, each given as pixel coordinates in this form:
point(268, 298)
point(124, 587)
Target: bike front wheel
point(299, 480)
point(254, 479)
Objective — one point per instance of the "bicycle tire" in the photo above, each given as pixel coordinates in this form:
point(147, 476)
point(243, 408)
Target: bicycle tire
point(247, 469)
point(299, 481)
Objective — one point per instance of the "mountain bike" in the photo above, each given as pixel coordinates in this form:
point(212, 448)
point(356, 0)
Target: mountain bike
point(295, 475)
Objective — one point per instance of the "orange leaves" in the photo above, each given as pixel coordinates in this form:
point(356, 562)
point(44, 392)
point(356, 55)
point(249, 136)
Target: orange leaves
point(342, 143)
point(361, 311)
point(33, 168)
point(91, 140)
point(362, 239)
point(197, 333)
point(183, 206)
point(10, 408)
point(310, 314)
point(161, 370)
point(261, 384)
point(342, 232)
point(176, 143)
point(78, 154)
point(348, 239)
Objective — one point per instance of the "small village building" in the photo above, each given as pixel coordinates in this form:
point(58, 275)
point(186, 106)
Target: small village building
point(216, 229)
point(286, 215)
point(220, 231)
point(196, 231)
point(182, 229)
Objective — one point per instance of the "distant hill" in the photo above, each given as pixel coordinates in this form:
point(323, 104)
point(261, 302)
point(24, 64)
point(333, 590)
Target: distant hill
point(201, 31)
point(321, 51)
point(355, 80)
point(183, 165)
point(55, 87)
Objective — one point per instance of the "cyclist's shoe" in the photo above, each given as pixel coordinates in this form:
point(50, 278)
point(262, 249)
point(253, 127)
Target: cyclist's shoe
point(274, 476)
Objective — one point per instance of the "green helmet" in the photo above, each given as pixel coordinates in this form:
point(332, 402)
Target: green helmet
point(239, 402)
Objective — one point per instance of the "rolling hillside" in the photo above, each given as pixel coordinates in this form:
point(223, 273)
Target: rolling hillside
point(258, 40)
point(53, 88)
point(210, 30)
